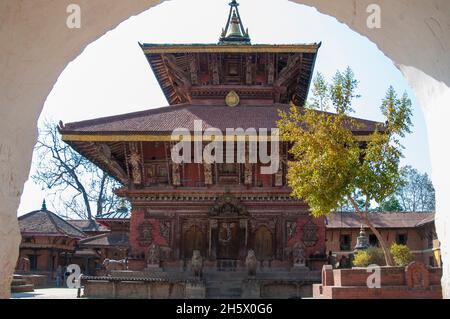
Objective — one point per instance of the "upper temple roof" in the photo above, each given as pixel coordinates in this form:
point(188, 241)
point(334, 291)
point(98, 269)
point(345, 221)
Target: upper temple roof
point(209, 74)
point(205, 73)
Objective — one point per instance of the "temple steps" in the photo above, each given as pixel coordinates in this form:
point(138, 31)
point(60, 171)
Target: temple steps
point(218, 289)
point(19, 284)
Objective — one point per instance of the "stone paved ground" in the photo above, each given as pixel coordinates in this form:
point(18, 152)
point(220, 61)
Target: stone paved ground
point(47, 293)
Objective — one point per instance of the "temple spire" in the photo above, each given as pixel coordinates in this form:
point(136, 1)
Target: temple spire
point(44, 205)
point(234, 32)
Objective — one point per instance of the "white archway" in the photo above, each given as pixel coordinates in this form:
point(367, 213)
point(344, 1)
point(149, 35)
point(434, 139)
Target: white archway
point(36, 46)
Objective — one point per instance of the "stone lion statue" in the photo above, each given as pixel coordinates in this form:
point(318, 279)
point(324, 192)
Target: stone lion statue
point(23, 265)
point(111, 264)
point(251, 262)
point(197, 264)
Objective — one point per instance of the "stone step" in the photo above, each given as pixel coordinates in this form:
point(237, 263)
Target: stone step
point(220, 292)
point(15, 276)
point(22, 288)
point(18, 282)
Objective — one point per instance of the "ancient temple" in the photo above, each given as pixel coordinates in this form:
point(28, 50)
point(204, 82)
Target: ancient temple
point(222, 209)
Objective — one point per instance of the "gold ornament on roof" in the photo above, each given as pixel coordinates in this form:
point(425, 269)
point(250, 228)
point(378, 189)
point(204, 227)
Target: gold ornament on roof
point(232, 99)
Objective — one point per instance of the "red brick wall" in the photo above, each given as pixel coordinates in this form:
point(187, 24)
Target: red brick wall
point(137, 217)
point(319, 247)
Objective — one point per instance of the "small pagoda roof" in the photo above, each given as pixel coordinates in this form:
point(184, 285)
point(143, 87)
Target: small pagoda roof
point(114, 239)
point(45, 223)
point(116, 215)
point(350, 220)
point(158, 124)
point(88, 225)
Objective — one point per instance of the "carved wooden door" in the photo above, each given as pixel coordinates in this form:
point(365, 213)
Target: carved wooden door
point(193, 239)
point(263, 243)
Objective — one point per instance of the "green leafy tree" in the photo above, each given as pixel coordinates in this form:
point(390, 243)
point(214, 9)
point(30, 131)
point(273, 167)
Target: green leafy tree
point(331, 165)
point(391, 204)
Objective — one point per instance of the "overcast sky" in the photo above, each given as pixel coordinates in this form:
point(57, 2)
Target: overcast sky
point(112, 76)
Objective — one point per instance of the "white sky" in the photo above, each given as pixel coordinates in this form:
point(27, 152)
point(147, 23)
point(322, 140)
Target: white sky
point(112, 76)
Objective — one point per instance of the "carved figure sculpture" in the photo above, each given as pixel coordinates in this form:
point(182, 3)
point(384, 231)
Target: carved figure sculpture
point(251, 263)
point(197, 264)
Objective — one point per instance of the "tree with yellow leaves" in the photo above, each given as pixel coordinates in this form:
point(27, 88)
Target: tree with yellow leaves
point(330, 164)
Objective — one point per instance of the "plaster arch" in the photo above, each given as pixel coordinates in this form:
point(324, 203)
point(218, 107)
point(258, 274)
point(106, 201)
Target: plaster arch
point(36, 46)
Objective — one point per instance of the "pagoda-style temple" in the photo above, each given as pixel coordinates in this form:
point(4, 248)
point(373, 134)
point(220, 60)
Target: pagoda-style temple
point(221, 209)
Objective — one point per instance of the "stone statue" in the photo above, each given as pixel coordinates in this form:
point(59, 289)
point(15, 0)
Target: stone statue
point(153, 256)
point(251, 262)
point(298, 255)
point(111, 264)
point(23, 265)
point(197, 264)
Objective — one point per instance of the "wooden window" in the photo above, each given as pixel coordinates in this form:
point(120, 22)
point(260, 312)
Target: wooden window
point(401, 239)
point(373, 241)
point(345, 242)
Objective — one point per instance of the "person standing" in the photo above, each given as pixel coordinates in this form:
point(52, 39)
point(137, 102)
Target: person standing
point(59, 274)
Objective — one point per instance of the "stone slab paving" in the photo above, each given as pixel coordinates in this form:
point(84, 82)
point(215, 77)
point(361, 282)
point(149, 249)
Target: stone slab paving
point(47, 293)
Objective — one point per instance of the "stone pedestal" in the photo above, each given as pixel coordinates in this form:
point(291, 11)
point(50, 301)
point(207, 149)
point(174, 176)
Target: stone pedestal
point(251, 289)
point(195, 291)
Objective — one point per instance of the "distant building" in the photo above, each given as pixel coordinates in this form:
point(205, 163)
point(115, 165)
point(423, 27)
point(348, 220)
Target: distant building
point(113, 244)
point(415, 230)
point(47, 241)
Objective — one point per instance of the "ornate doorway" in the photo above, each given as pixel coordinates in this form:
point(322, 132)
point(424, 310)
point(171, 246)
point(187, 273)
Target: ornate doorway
point(193, 239)
point(228, 240)
point(263, 243)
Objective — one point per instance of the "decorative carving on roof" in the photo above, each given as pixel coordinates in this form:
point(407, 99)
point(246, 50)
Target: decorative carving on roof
point(270, 70)
point(228, 205)
point(179, 77)
point(279, 177)
point(135, 161)
point(208, 173)
point(248, 176)
point(248, 70)
point(215, 69)
point(193, 69)
point(285, 74)
point(104, 154)
point(310, 235)
point(176, 179)
point(232, 99)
